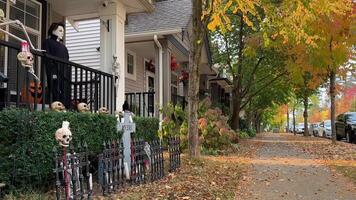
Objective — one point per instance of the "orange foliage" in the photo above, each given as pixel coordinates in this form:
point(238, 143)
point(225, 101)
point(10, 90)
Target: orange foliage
point(344, 103)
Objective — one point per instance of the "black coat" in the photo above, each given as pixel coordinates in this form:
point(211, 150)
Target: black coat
point(58, 74)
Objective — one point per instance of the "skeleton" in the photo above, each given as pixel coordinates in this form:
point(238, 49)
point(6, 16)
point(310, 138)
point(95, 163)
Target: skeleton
point(64, 135)
point(103, 110)
point(83, 107)
point(25, 56)
point(58, 107)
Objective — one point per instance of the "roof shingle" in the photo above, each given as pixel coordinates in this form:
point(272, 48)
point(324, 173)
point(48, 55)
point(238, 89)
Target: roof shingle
point(168, 15)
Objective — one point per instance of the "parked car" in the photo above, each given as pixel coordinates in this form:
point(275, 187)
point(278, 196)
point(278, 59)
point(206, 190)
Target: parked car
point(300, 128)
point(313, 128)
point(324, 129)
point(346, 126)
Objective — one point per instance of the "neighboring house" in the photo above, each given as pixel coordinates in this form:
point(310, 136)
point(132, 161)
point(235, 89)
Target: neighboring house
point(220, 86)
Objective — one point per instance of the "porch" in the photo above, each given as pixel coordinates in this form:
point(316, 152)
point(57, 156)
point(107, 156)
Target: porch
point(94, 87)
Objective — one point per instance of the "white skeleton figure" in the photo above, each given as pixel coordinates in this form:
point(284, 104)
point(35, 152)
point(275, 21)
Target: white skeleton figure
point(83, 107)
point(25, 56)
point(103, 110)
point(64, 135)
point(58, 107)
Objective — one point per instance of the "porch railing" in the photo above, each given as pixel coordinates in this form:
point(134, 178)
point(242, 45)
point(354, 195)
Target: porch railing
point(60, 80)
point(141, 103)
point(179, 100)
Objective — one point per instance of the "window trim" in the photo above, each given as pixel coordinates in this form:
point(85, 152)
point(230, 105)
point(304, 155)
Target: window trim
point(128, 75)
point(38, 33)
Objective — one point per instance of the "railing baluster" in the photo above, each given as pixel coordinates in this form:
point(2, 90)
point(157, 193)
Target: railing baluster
point(91, 91)
point(99, 87)
point(81, 86)
point(86, 87)
point(108, 93)
point(75, 86)
point(112, 97)
point(17, 82)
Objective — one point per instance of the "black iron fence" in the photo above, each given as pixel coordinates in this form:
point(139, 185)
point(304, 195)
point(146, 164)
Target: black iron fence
point(174, 153)
point(71, 169)
point(111, 173)
point(141, 103)
point(156, 160)
point(147, 164)
point(60, 80)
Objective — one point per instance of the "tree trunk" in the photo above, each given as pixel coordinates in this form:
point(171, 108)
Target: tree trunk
point(305, 115)
point(193, 94)
point(332, 105)
point(294, 120)
point(258, 122)
point(249, 114)
point(287, 120)
point(235, 120)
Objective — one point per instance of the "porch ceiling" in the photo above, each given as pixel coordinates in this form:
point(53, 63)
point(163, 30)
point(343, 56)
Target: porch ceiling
point(90, 7)
point(144, 49)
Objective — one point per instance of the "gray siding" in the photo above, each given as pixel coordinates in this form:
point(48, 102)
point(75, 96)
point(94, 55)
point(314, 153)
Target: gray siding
point(138, 85)
point(82, 46)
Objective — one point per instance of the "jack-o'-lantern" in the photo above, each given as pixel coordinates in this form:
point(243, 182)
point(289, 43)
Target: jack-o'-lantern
point(32, 89)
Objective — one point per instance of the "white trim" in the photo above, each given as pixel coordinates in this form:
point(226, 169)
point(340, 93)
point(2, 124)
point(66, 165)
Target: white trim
point(128, 75)
point(147, 74)
point(152, 33)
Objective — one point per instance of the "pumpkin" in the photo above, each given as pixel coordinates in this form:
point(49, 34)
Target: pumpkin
point(32, 93)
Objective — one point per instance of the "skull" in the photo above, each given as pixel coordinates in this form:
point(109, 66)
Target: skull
point(64, 135)
point(26, 59)
point(103, 110)
point(83, 107)
point(58, 107)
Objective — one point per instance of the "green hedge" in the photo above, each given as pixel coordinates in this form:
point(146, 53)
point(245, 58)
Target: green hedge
point(27, 140)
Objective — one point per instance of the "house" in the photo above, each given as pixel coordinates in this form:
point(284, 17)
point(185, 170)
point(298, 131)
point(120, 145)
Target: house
point(98, 87)
point(134, 50)
point(150, 37)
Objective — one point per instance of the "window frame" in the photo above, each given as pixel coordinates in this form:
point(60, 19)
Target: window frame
point(37, 33)
point(127, 74)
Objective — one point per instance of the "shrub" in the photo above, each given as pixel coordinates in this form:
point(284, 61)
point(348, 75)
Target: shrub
point(243, 135)
point(27, 140)
point(215, 132)
point(251, 132)
point(146, 128)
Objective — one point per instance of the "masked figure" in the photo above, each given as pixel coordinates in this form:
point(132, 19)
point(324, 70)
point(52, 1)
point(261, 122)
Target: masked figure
point(58, 74)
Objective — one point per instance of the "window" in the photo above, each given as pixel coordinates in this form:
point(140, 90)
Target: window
point(131, 65)
point(29, 13)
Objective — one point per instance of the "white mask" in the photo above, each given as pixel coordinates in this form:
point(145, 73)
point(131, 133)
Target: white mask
point(59, 32)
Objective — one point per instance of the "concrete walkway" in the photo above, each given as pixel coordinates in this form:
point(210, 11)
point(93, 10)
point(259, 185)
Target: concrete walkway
point(280, 170)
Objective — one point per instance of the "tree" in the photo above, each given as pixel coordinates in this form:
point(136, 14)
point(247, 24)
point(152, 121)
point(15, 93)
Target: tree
point(252, 66)
point(325, 27)
point(333, 25)
point(195, 57)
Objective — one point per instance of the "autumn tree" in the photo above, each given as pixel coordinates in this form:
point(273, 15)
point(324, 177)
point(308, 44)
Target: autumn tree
point(199, 30)
point(242, 53)
point(325, 27)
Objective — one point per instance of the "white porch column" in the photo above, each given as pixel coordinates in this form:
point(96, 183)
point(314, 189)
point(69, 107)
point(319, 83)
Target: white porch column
point(112, 44)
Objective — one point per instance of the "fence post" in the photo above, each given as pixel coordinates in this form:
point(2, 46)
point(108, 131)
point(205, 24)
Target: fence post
point(56, 171)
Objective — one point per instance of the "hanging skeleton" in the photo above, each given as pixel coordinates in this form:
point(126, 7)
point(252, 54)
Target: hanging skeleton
point(25, 56)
